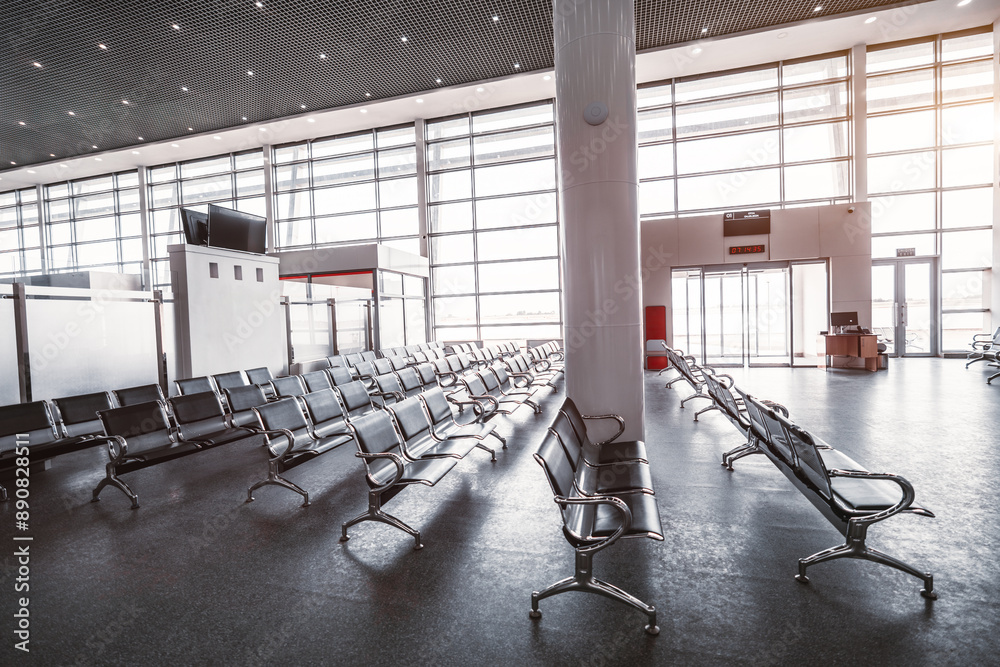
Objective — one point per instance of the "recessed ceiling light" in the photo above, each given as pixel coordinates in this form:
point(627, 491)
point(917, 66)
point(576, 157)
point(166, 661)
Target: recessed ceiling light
point(547, 77)
point(135, 152)
point(495, 18)
point(141, 139)
point(190, 129)
point(963, 3)
point(263, 129)
point(480, 89)
point(311, 120)
point(871, 19)
point(368, 94)
point(102, 47)
point(364, 111)
point(402, 39)
point(782, 35)
point(437, 80)
point(20, 122)
point(259, 4)
point(12, 162)
point(216, 137)
point(93, 146)
point(37, 64)
point(63, 165)
point(819, 8)
point(175, 145)
point(696, 50)
point(249, 72)
point(52, 154)
point(517, 65)
point(175, 26)
point(124, 101)
point(71, 113)
point(184, 88)
point(244, 117)
point(420, 100)
point(31, 171)
point(322, 56)
point(704, 30)
point(97, 159)
point(302, 106)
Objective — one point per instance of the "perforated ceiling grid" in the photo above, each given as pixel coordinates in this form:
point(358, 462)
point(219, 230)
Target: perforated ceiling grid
point(172, 65)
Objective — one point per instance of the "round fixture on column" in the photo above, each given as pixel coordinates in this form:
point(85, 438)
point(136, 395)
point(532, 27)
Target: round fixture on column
point(596, 113)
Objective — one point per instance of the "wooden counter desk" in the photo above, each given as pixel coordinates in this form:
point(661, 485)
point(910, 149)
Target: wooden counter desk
point(862, 346)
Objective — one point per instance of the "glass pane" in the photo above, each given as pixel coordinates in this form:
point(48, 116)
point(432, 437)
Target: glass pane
point(512, 178)
point(162, 174)
point(539, 274)
point(726, 84)
point(967, 250)
point(911, 55)
point(293, 205)
point(354, 143)
point(397, 192)
point(413, 286)
point(94, 205)
point(163, 195)
point(130, 225)
point(127, 179)
point(445, 129)
point(969, 46)
point(293, 233)
point(536, 142)
point(451, 249)
point(253, 205)
point(534, 209)
point(415, 317)
point(344, 228)
point(61, 257)
point(397, 162)
point(455, 310)
point(519, 308)
point(215, 165)
point(391, 282)
point(58, 191)
point(459, 279)
point(824, 180)
point(401, 222)
point(901, 90)
point(283, 154)
point(100, 184)
point(503, 120)
point(514, 244)
point(815, 103)
point(449, 217)
point(128, 200)
point(409, 245)
point(816, 142)
point(886, 246)
point(59, 234)
point(899, 132)
point(250, 183)
point(903, 213)
point(896, 173)
point(398, 136)
point(449, 185)
point(96, 229)
point(656, 161)
point(726, 190)
point(654, 96)
point(346, 198)
point(756, 149)
point(967, 208)
point(967, 166)
point(747, 113)
point(522, 332)
point(212, 188)
point(655, 125)
point(656, 197)
point(456, 334)
point(962, 291)
point(131, 250)
point(957, 329)
point(967, 81)
point(29, 195)
point(967, 124)
point(92, 254)
point(249, 160)
point(814, 70)
point(918, 307)
point(291, 176)
point(448, 155)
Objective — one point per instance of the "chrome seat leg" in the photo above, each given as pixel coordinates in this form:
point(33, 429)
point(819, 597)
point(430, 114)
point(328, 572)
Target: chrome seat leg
point(705, 409)
point(499, 437)
point(375, 513)
point(493, 453)
point(112, 479)
point(274, 478)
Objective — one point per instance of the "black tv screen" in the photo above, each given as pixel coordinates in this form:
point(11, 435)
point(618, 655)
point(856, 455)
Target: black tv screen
point(195, 226)
point(843, 319)
point(236, 230)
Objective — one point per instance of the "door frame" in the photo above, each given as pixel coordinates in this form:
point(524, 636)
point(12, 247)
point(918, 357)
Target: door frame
point(899, 325)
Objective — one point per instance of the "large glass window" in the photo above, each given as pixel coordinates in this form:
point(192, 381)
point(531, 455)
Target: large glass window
point(764, 137)
point(493, 225)
point(235, 181)
point(930, 165)
point(94, 223)
point(20, 246)
point(342, 190)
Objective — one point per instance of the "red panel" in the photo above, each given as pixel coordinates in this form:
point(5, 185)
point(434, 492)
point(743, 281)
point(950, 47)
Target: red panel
point(656, 363)
point(656, 329)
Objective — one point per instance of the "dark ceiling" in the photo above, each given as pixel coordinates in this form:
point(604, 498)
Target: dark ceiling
point(184, 64)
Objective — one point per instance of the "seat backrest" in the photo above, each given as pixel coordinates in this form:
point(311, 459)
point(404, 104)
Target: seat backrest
point(353, 359)
point(428, 378)
point(260, 375)
point(365, 369)
point(290, 385)
point(576, 419)
point(398, 363)
point(194, 385)
point(375, 433)
point(32, 419)
point(242, 401)
point(810, 463)
point(317, 380)
point(340, 375)
point(410, 418)
point(388, 384)
point(474, 385)
point(454, 363)
point(142, 394)
point(191, 408)
point(283, 414)
point(355, 398)
point(558, 470)
point(568, 438)
point(437, 405)
point(336, 360)
point(441, 366)
point(465, 361)
point(502, 377)
point(777, 439)
point(382, 366)
point(144, 426)
point(79, 413)
point(757, 426)
point(228, 380)
point(410, 380)
point(490, 381)
point(517, 364)
point(324, 408)
point(368, 355)
point(420, 357)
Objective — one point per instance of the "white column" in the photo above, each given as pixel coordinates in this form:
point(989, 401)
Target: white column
point(859, 55)
point(599, 193)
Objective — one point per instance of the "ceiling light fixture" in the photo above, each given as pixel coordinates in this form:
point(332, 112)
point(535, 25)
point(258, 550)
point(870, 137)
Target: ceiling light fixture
point(322, 56)
point(31, 171)
point(517, 65)
point(782, 35)
point(175, 145)
point(871, 19)
point(184, 88)
point(368, 94)
point(963, 3)
point(480, 89)
point(244, 117)
point(175, 26)
point(52, 154)
point(249, 72)
point(93, 146)
point(819, 8)
point(259, 5)
point(124, 101)
point(302, 106)
point(216, 137)
point(310, 120)
point(704, 30)
point(135, 152)
point(437, 80)
point(102, 47)
point(97, 159)
point(696, 50)
point(71, 113)
point(403, 38)
point(364, 111)
point(420, 100)
point(12, 162)
point(37, 64)
point(495, 18)
point(141, 139)
point(63, 165)
point(20, 122)
point(547, 77)
point(190, 129)
point(263, 129)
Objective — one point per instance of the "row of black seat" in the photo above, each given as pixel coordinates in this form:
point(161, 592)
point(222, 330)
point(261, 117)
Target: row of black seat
point(849, 496)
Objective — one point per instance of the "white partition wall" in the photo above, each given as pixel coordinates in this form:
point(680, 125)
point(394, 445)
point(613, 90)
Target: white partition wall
point(9, 391)
point(599, 193)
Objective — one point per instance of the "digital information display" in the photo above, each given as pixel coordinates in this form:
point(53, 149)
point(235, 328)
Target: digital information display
point(746, 249)
point(746, 223)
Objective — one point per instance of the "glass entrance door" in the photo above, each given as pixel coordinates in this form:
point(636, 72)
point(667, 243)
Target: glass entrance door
point(903, 306)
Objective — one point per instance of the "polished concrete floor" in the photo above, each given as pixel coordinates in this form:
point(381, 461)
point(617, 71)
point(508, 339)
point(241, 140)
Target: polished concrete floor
point(196, 576)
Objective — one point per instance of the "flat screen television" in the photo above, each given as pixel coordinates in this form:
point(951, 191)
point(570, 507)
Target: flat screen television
point(845, 319)
point(195, 226)
point(236, 230)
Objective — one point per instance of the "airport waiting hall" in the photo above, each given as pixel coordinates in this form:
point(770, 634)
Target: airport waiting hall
point(549, 332)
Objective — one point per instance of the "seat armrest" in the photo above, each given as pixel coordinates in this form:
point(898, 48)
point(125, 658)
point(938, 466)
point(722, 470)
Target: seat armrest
point(279, 431)
point(117, 447)
point(617, 503)
point(384, 455)
point(617, 418)
point(902, 506)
